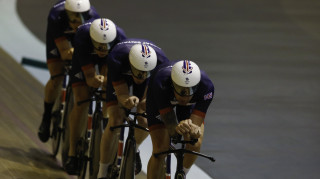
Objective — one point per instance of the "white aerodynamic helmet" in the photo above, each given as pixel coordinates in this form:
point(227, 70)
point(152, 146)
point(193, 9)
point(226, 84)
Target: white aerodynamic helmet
point(143, 57)
point(185, 73)
point(103, 30)
point(77, 5)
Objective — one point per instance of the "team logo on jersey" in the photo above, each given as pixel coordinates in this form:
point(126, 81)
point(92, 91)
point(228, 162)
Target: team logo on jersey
point(145, 51)
point(187, 68)
point(207, 96)
point(54, 52)
point(79, 75)
point(104, 25)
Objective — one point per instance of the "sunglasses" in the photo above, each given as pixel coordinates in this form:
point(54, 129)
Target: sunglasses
point(184, 91)
point(75, 17)
point(101, 47)
point(141, 75)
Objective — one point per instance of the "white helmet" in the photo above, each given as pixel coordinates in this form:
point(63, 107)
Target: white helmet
point(77, 5)
point(185, 73)
point(103, 30)
point(143, 57)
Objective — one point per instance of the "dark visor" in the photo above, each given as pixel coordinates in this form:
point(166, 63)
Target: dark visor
point(76, 17)
point(102, 47)
point(184, 91)
point(141, 75)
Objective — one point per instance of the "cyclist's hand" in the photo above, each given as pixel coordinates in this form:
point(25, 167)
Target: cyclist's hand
point(195, 131)
point(184, 127)
point(70, 53)
point(97, 81)
point(131, 102)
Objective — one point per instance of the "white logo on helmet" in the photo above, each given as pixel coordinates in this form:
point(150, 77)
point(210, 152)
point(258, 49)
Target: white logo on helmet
point(187, 81)
point(146, 64)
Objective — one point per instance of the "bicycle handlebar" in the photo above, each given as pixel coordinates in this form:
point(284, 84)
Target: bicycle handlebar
point(178, 139)
point(96, 96)
point(67, 67)
point(184, 151)
point(131, 122)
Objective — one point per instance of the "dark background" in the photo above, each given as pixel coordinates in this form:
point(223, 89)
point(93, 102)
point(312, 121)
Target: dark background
point(263, 57)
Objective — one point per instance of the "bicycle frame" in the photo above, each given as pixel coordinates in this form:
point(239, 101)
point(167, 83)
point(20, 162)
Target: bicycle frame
point(129, 147)
point(60, 115)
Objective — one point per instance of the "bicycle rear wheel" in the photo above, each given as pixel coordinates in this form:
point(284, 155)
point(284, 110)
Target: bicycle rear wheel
point(128, 161)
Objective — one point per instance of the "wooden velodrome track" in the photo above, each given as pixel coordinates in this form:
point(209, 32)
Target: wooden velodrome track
point(262, 55)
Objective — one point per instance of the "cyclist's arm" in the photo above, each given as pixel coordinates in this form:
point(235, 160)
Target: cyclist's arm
point(104, 72)
point(197, 121)
point(142, 104)
point(92, 79)
point(65, 48)
point(169, 119)
point(123, 96)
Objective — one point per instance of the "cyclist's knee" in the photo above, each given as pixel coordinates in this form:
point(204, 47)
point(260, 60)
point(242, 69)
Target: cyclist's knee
point(142, 121)
point(115, 116)
point(55, 82)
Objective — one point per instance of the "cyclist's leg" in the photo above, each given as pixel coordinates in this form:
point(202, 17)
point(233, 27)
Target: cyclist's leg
point(50, 94)
point(108, 146)
point(77, 123)
point(160, 142)
point(55, 67)
point(77, 119)
point(140, 135)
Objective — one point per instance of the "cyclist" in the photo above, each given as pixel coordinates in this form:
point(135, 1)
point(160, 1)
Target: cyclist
point(93, 42)
point(178, 85)
point(130, 64)
point(64, 18)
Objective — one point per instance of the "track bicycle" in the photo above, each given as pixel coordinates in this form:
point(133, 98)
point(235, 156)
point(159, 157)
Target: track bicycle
point(179, 153)
point(126, 170)
point(60, 113)
point(88, 147)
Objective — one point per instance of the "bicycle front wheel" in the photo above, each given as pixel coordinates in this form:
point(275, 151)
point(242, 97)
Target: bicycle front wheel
point(56, 134)
point(180, 175)
point(65, 128)
point(128, 161)
point(95, 145)
point(81, 150)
